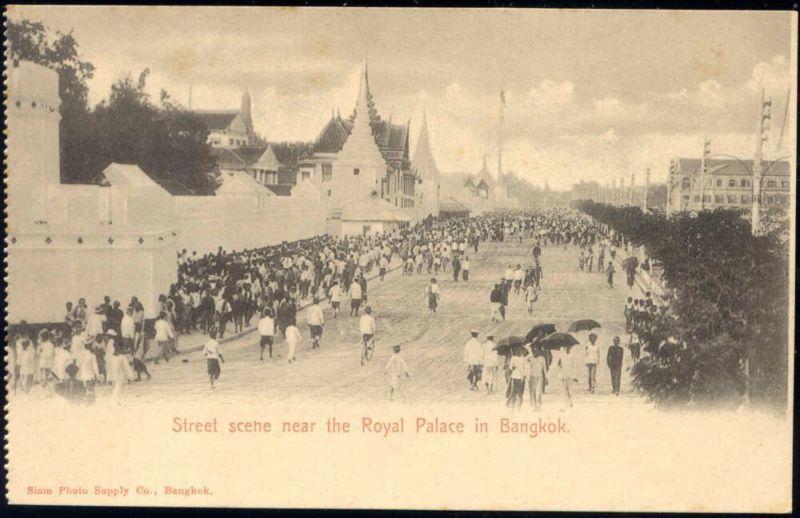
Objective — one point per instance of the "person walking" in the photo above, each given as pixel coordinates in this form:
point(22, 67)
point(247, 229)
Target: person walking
point(531, 296)
point(473, 358)
point(164, 334)
point(355, 297)
point(565, 377)
point(491, 362)
point(591, 359)
point(213, 357)
point(335, 296)
point(518, 372)
point(266, 332)
point(614, 361)
point(456, 267)
point(495, 299)
point(293, 339)
point(465, 268)
point(316, 321)
point(120, 370)
point(610, 274)
point(396, 368)
point(432, 294)
point(538, 377)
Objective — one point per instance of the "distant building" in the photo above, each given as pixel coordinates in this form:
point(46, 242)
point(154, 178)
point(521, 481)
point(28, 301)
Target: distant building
point(429, 179)
point(728, 183)
point(230, 128)
point(360, 155)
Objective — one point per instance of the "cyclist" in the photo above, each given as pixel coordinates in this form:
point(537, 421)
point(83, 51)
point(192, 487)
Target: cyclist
point(367, 327)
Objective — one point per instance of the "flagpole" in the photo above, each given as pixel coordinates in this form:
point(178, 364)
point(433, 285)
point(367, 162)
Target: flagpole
point(500, 151)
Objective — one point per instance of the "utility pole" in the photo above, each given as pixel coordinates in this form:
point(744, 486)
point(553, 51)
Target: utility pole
point(621, 190)
point(633, 182)
point(613, 192)
point(765, 114)
point(704, 171)
point(647, 189)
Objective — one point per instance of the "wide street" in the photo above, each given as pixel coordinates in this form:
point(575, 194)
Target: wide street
point(432, 344)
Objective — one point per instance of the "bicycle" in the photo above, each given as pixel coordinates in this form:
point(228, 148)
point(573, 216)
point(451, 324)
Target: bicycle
point(367, 349)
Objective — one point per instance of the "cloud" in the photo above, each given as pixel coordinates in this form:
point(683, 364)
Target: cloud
point(551, 94)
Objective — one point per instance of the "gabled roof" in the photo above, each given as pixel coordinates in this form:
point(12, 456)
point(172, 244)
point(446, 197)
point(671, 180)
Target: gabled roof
point(333, 136)
point(240, 182)
point(236, 158)
point(423, 157)
point(268, 161)
point(216, 120)
point(732, 167)
point(485, 175)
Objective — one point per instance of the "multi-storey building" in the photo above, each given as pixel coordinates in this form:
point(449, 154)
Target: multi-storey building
point(726, 183)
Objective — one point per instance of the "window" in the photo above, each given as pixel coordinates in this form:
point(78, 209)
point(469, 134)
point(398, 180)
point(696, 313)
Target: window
point(718, 198)
point(327, 173)
point(731, 183)
point(231, 142)
point(784, 184)
point(706, 198)
point(697, 198)
point(771, 184)
point(686, 183)
point(731, 199)
point(356, 171)
point(329, 192)
point(770, 200)
point(745, 198)
point(719, 182)
point(745, 183)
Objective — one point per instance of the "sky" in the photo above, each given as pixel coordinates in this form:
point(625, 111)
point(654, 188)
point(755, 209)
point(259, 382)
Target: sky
point(590, 95)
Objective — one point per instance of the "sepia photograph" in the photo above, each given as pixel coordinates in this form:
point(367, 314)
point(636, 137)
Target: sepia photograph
point(419, 258)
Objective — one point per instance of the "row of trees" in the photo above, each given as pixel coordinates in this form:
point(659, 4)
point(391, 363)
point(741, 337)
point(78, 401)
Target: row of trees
point(164, 139)
point(728, 306)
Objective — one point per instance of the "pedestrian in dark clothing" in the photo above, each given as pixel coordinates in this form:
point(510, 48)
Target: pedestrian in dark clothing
point(614, 361)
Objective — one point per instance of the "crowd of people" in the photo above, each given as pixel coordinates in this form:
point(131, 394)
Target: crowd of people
point(112, 344)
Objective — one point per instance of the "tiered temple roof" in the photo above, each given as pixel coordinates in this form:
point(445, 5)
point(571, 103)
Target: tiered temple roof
point(392, 139)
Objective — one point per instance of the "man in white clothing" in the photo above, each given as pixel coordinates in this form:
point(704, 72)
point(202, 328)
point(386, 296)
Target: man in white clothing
point(293, 338)
point(266, 330)
point(473, 358)
point(316, 321)
point(490, 363)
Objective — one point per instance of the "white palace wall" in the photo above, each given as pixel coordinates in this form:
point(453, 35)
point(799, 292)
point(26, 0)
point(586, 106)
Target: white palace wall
point(205, 223)
point(65, 242)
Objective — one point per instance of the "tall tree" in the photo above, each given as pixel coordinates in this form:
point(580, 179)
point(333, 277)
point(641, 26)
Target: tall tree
point(31, 41)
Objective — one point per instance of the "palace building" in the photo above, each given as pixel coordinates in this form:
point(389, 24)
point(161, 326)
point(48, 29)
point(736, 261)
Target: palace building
point(361, 156)
point(230, 128)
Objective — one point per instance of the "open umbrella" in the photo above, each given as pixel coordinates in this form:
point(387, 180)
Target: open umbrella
point(539, 331)
point(557, 340)
point(583, 325)
point(507, 345)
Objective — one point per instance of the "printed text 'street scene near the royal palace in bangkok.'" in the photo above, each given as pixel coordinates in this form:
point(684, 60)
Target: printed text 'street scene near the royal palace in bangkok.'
point(472, 259)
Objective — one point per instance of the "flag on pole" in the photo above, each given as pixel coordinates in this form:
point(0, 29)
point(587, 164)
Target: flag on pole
point(503, 97)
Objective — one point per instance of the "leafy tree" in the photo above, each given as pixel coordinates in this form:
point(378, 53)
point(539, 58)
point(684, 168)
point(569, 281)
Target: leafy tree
point(30, 41)
point(728, 306)
point(166, 142)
